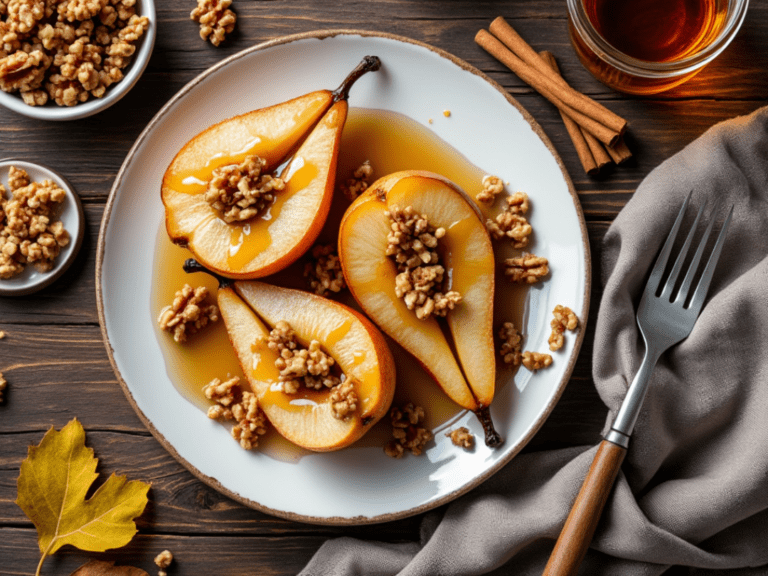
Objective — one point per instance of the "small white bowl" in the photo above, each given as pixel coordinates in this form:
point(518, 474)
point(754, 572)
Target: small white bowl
point(70, 213)
point(51, 111)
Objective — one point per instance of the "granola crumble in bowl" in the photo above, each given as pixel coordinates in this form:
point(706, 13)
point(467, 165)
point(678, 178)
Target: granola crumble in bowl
point(47, 228)
point(72, 58)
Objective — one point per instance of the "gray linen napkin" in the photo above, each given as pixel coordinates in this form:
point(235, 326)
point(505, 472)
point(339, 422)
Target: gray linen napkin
point(693, 489)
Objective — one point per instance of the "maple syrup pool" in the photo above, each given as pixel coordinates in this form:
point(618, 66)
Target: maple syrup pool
point(391, 142)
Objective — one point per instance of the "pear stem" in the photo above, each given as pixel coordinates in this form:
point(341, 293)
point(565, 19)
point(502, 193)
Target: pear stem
point(191, 265)
point(492, 438)
point(368, 64)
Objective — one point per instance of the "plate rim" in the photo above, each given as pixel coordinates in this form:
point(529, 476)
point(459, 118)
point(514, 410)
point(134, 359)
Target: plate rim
point(345, 520)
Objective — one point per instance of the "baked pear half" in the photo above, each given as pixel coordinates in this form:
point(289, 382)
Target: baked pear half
point(458, 351)
point(270, 229)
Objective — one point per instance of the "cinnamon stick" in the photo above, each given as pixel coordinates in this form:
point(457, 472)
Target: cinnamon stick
point(564, 100)
point(619, 152)
point(583, 150)
point(509, 37)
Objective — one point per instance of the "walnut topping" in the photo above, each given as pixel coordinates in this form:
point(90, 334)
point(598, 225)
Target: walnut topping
point(412, 241)
point(511, 223)
point(526, 269)
point(536, 361)
point(358, 183)
point(344, 400)
point(241, 191)
point(234, 403)
point(324, 271)
point(186, 315)
point(3, 386)
point(511, 345)
point(310, 367)
point(162, 561)
point(461, 437)
point(408, 431)
point(215, 18)
point(66, 50)
point(492, 187)
point(29, 232)
point(564, 319)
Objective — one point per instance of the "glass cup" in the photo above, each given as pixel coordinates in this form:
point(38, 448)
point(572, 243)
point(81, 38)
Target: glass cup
point(633, 75)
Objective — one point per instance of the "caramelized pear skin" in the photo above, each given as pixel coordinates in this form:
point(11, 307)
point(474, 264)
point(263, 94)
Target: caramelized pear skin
point(305, 132)
point(463, 364)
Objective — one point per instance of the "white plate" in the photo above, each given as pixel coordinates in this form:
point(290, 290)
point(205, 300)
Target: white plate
point(70, 213)
point(357, 485)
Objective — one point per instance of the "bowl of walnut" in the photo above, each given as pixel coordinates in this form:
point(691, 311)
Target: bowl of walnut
point(68, 59)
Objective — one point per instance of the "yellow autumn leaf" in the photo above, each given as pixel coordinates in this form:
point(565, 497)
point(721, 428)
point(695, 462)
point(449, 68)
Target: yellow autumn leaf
point(54, 480)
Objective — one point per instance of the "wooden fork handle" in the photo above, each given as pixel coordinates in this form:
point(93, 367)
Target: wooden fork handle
point(580, 525)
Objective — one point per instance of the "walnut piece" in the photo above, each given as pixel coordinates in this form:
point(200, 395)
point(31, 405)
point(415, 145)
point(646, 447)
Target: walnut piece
point(536, 360)
point(511, 344)
point(408, 431)
point(66, 51)
point(358, 183)
point(3, 386)
point(2, 334)
point(344, 400)
point(323, 272)
point(29, 230)
point(564, 319)
point(526, 269)
point(412, 242)
point(511, 222)
point(187, 315)
point(162, 561)
point(461, 437)
point(241, 191)
point(215, 18)
point(234, 403)
point(492, 187)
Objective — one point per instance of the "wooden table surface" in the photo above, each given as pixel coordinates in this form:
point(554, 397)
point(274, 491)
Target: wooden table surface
point(53, 356)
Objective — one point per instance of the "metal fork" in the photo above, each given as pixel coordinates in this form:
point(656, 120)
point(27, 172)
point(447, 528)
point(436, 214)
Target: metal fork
point(663, 322)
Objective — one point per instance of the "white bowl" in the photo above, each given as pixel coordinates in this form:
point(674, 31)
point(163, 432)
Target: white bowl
point(52, 111)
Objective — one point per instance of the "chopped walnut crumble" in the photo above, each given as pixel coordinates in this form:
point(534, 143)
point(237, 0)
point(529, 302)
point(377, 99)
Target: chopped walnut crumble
point(461, 437)
point(526, 269)
point(344, 400)
point(2, 334)
point(215, 18)
point(564, 319)
point(241, 191)
point(234, 403)
point(408, 431)
point(511, 345)
point(186, 315)
point(162, 561)
point(511, 223)
point(536, 360)
point(29, 232)
point(324, 271)
point(358, 183)
point(3, 386)
point(412, 241)
point(66, 51)
point(492, 187)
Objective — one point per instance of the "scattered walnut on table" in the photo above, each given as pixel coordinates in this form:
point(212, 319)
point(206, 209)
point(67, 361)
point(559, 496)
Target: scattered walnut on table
point(461, 437)
point(412, 242)
point(526, 269)
point(29, 231)
point(564, 319)
point(241, 191)
point(162, 561)
point(407, 430)
point(215, 18)
point(242, 406)
point(358, 183)
point(2, 334)
point(511, 344)
point(323, 272)
point(511, 222)
point(3, 386)
point(187, 315)
point(492, 187)
point(536, 360)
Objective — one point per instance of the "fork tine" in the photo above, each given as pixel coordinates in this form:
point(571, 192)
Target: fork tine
point(688, 280)
point(670, 285)
point(701, 290)
point(661, 260)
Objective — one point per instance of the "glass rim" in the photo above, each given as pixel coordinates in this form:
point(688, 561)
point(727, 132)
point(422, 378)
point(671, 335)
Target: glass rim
point(737, 10)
